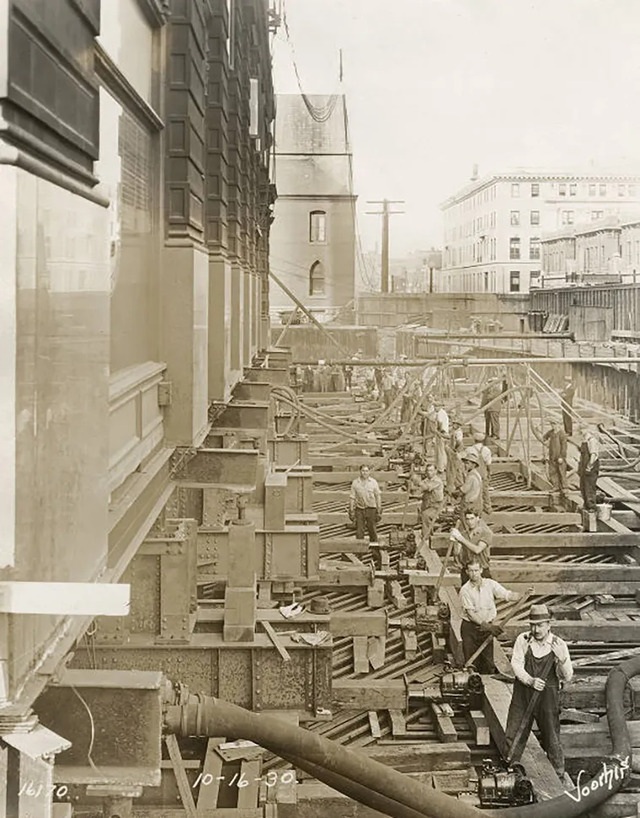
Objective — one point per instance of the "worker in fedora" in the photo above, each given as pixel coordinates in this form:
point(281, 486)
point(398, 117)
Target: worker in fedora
point(541, 663)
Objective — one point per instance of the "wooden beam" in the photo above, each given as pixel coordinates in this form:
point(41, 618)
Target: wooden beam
point(375, 694)
point(248, 795)
point(552, 543)
point(529, 570)
point(184, 788)
point(271, 633)
point(592, 630)
point(546, 783)
point(343, 476)
point(212, 766)
point(358, 623)
point(374, 724)
point(343, 545)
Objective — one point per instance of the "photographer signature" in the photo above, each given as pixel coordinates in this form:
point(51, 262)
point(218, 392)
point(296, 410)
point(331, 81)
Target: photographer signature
point(605, 779)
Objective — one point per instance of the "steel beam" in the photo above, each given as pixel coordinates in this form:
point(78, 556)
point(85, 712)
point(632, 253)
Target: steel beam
point(234, 469)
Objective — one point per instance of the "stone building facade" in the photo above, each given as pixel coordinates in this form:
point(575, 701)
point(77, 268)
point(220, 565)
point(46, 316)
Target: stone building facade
point(313, 235)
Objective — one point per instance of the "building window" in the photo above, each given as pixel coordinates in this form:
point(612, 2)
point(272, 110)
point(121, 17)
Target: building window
point(316, 279)
point(515, 217)
point(568, 216)
point(562, 189)
point(592, 190)
point(573, 189)
point(535, 217)
point(535, 189)
point(514, 248)
point(596, 214)
point(317, 227)
point(514, 281)
point(515, 190)
point(603, 190)
point(534, 248)
point(621, 190)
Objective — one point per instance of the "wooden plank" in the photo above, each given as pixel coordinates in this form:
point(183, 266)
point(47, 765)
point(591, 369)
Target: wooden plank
point(360, 657)
point(578, 716)
point(546, 783)
point(444, 726)
point(276, 641)
point(389, 517)
point(184, 788)
point(343, 476)
point(374, 724)
point(551, 543)
point(342, 545)
point(478, 723)
point(585, 631)
point(212, 766)
point(376, 651)
point(547, 517)
point(421, 756)
point(358, 623)
point(248, 796)
point(398, 723)
point(378, 694)
point(529, 570)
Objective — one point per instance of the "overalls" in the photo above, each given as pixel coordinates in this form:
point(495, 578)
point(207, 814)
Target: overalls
point(588, 479)
point(546, 711)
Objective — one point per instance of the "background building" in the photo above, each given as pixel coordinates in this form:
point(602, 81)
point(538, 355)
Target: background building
point(313, 234)
point(493, 226)
point(607, 250)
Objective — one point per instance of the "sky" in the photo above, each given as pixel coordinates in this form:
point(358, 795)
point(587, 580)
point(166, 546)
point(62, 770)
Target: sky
point(436, 86)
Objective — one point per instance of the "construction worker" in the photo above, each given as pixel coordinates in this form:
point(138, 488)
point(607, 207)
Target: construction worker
point(365, 505)
point(540, 662)
point(388, 388)
point(471, 542)
point(567, 395)
point(441, 435)
point(492, 391)
point(455, 468)
point(432, 489)
point(471, 490)
point(556, 440)
point(589, 469)
point(484, 467)
point(478, 600)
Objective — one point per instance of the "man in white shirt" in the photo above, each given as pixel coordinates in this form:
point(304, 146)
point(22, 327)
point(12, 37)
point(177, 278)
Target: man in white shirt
point(478, 599)
point(365, 505)
point(541, 662)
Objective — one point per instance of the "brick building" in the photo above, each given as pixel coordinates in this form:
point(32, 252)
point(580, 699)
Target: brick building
point(493, 226)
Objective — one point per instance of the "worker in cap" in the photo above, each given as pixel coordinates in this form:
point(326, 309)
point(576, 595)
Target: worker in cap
point(541, 663)
point(484, 467)
point(492, 408)
point(471, 489)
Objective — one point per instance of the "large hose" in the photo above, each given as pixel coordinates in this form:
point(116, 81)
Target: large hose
point(392, 793)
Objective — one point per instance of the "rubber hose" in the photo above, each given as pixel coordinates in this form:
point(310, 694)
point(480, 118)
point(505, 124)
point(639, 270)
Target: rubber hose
point(213, 717)
point(354, 774)
point(355, 791)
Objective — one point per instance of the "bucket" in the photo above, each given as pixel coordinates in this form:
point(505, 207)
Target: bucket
point(603, 511)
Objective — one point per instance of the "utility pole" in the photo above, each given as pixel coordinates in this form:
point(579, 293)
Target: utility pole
point(385, 213)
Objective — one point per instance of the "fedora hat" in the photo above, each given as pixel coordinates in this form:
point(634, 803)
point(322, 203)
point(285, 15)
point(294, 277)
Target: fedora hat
point(539, 613)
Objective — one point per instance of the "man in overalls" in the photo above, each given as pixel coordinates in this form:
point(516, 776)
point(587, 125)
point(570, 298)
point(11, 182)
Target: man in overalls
point(589, 469)
point(540, 662)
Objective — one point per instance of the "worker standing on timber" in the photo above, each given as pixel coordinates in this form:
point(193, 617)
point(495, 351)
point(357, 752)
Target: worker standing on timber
point(441, 435)
point(556, 440)
point(365, 505)
point(541, 662)
point(388, 388)
point(484, 467)
point(471, 490)
point(567, 395)
point(478, 600)
point(347, 372)
point(432, 489)
point(455, 468)
point(472, 541)
point(492, 413)
point(589, 469)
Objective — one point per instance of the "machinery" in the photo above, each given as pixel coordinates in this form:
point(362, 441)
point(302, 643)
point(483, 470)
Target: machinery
point(404, 540)
point(434, 617)
point(504, 786)
point(463, 687)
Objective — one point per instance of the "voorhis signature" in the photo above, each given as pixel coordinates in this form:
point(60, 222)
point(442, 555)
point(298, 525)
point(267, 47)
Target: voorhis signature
point(605, 779)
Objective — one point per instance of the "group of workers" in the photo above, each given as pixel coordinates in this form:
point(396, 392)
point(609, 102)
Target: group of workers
point(540, 659)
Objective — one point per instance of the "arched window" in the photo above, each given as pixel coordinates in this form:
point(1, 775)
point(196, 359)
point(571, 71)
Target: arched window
point(316, 279)
point(317, 226)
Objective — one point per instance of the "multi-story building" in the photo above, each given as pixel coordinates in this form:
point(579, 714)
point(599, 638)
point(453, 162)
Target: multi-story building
point(607, 250)
point(493, 226)
point(313, 233)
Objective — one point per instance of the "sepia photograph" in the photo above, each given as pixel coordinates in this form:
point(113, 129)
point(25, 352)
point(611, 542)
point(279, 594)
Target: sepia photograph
point(320, 411)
